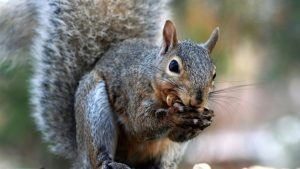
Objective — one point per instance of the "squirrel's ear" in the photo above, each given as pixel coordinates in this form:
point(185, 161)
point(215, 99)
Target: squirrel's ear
point(169, 37)
point(211, 42)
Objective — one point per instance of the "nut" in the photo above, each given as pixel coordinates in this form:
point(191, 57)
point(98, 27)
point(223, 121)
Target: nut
point(171, 99)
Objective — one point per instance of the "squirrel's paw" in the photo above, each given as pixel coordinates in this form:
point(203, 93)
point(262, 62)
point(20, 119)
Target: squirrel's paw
point(161, 113)
point(188, 122)
point(187, 117)
point(113, 165)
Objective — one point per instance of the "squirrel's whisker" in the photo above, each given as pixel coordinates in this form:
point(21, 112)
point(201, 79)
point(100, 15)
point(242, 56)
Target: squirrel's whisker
point(232, 88)
point(223, 96)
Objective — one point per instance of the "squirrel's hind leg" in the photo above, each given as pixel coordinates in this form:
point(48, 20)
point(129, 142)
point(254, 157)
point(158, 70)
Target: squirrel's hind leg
point(96, 129)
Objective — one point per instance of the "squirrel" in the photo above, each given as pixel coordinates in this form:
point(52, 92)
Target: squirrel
point(105, 94)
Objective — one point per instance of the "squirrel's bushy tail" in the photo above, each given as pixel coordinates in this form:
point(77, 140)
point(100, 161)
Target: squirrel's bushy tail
point(17, 23)
point(71, 36)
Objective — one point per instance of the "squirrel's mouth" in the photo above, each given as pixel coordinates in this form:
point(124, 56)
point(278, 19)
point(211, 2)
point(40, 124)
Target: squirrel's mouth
point(172, 97)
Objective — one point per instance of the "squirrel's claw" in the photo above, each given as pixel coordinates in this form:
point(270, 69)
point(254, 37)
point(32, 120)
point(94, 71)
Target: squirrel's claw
point(113, 165)
point(188, 122)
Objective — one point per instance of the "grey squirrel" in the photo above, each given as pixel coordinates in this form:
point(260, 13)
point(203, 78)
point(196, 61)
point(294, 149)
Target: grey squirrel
point(105, 95)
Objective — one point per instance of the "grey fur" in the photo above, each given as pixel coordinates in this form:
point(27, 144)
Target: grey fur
point(95, 121)
point(72, 36)
point(17, 23)
point(97, 71)
point(131, 69)
point(136, 69)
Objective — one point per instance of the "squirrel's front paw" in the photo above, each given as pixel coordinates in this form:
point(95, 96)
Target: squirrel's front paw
point(161, 113)
point(188, 122)
point(113, 165)
point(187, 117)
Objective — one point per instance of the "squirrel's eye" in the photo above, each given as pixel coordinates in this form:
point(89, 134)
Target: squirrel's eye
point(214, 76)
point(174, 66)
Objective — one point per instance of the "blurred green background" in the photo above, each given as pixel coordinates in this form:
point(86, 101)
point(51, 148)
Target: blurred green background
point(257, 124)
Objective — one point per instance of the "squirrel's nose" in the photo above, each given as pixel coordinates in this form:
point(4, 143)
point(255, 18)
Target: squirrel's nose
point(195, 103)
point(197, 99)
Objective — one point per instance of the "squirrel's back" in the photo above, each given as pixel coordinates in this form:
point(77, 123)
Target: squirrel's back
point(71, 37)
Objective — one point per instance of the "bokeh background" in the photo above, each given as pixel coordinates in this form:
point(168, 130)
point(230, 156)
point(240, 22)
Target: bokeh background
point(257, 115)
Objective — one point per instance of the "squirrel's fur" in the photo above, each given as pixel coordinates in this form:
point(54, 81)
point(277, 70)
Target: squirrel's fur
point(73, 35)
point(17, 24)
point(101, 82)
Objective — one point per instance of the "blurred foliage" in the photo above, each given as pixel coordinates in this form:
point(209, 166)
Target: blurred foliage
point(18, 135)
point(285, 39)
point(274, 25)
point(14, 89)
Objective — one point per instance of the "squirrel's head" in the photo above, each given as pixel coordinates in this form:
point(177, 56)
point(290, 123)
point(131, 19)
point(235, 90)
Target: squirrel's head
point(186, 69)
